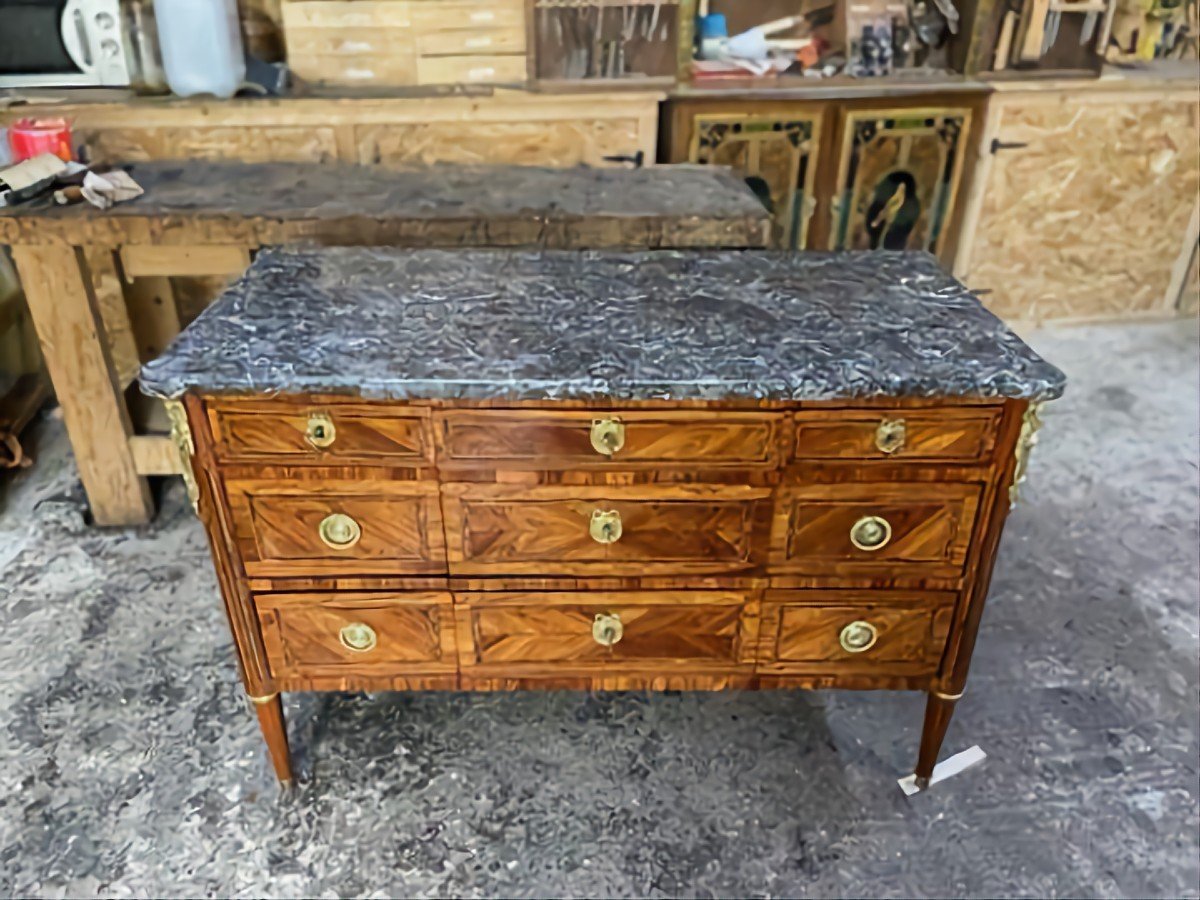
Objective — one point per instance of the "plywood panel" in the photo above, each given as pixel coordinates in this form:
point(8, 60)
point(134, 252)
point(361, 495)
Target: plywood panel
point(1085, 220)
point(285, 144)
point(552, 143)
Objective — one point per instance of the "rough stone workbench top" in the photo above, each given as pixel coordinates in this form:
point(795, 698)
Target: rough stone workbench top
point(441, 205)
point(709, 325)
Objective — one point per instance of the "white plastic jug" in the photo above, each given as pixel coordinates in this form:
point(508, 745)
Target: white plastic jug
point(201, 46)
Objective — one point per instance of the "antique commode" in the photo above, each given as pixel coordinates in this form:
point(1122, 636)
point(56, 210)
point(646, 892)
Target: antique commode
point(494, 470)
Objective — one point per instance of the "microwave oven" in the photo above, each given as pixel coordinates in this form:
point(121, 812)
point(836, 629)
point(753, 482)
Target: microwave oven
point(78, 43)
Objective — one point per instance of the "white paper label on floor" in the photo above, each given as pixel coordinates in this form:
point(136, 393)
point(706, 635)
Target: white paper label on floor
point(945, 769)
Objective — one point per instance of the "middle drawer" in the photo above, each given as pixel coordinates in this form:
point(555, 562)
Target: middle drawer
point(494, 529)
point(605, 629)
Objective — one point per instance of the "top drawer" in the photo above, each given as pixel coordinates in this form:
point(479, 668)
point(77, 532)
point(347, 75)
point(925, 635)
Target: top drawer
point(341, 432)
point(546, 439)
point(956, 434)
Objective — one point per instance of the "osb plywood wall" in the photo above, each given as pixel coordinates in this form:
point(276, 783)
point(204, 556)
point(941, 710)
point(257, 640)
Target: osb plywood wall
point(1088, 220)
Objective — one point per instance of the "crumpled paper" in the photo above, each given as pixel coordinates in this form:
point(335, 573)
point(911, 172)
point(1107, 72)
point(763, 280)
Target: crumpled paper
point(103, 191)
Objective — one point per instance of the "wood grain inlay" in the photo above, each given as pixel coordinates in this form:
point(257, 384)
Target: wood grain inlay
point(496, 529)
point(660, 628)
point(415, 633)
point(931, 527)
point(278, 523)
point(545, 440)
point(961, 436)
point(372, 433)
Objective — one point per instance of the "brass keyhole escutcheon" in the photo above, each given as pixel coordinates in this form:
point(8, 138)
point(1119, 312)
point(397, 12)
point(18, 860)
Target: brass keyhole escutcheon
point(320, 432)
point(607, 435)
point(605, 526)
point(871, 533)
point(858, 636)
point(890, 436)
point(339, 531)
point(358, 636)
point(607, 629)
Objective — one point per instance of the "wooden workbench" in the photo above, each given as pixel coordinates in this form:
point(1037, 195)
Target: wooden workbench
point(98, 284)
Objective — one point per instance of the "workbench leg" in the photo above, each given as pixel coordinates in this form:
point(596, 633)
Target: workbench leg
point(274, 729)
point(70, 328)
point(938, 710)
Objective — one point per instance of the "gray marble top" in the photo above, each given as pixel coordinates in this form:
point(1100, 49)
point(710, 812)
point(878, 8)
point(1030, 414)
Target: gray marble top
point(484, 324)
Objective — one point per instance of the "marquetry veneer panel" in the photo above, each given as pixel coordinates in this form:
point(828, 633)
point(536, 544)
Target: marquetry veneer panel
point(934, 435)
point(414, 634)
point(930, 528)
point(552, 633)
point(552, 440)
point(277, 523)
point(274, 431)
point(503, 529)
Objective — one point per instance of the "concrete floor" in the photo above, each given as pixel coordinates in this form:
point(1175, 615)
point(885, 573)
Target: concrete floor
point(129, 765)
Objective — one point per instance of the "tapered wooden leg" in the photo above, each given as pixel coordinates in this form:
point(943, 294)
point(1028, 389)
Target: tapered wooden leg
point(938, 710)
point(274, 729)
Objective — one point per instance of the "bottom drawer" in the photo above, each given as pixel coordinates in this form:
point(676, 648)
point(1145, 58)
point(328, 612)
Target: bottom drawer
point(558, 632)
point(365, 634)
point(894, 631)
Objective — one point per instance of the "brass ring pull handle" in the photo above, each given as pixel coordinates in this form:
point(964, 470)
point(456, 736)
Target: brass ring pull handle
point(605, 526)
point(890, 436)
point(858, 636)
point(358, 636)
point(871, 533)
point(320, 432)
point(607, 629)
point(339, 531)
point(607, 435)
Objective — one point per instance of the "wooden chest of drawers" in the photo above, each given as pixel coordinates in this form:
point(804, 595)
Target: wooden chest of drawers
point(587, 542)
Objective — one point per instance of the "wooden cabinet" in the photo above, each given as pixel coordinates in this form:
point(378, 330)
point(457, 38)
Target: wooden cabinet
point(837, 174)
point(709, 547)
point(515, 127)
point(394, 43)
point(1083, 205)
point(757, 515)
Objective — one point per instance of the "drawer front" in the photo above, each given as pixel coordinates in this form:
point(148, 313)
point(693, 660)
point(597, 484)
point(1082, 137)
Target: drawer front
point(472, 42)
point(342, 14)
point(627, 629)
point(321, 434)
point(351, 42)
point(471, 69)
point(286, 528)
point(814, 630)
point(535, 439)
point(360, 633)
point(453, 15)
point(392, 68)
point(917, 529)
point(552, 530)
point(949, 435)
